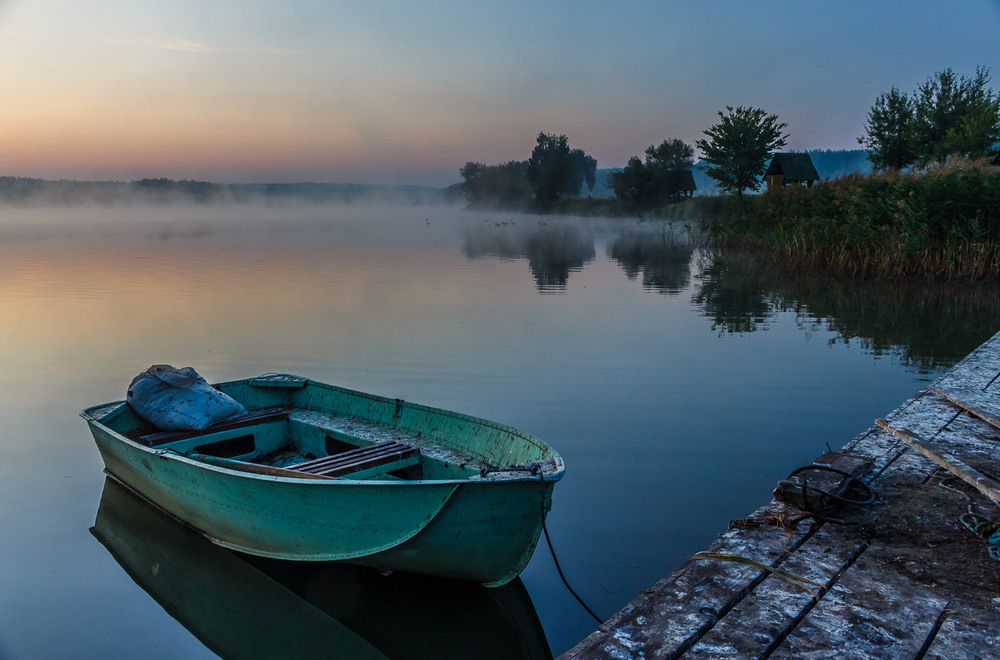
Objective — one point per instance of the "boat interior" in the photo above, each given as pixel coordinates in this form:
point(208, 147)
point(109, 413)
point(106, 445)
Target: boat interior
point(314, 443)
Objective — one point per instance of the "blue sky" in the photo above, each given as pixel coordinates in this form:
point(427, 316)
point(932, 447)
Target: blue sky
point(403, 92)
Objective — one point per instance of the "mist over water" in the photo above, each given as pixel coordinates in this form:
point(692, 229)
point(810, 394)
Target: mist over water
point(678, 384)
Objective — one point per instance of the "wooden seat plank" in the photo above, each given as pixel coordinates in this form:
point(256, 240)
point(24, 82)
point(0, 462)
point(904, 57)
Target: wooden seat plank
point(382, 457)
point(251, 418)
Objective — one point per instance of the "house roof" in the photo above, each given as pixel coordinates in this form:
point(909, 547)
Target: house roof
point(682, 180)
point(795, 167)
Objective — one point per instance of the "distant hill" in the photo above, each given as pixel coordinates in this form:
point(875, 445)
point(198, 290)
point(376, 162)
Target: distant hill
point(23, 191)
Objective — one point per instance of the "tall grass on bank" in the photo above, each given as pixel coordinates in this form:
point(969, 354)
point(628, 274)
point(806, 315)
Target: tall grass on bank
point(941, 224)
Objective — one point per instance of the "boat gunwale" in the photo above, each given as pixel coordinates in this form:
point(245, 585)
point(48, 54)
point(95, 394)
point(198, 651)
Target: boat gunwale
point(552, 469)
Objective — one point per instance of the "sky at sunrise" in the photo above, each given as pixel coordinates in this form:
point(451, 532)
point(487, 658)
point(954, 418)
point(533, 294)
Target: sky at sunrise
point(389, 91)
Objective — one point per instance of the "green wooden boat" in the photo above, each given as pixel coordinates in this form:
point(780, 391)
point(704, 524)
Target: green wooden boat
point(315, 472)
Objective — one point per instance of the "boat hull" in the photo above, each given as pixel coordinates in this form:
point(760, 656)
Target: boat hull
point(243, 607)
point(474, 529)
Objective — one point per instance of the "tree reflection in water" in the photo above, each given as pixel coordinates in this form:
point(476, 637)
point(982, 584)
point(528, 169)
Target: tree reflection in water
point(926, 326)
point(664, 261)
point(554, 248)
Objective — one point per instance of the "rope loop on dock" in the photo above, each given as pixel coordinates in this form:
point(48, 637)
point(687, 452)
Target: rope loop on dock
point(848, 485)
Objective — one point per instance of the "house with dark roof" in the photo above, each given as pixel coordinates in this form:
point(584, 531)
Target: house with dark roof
point(790, 168)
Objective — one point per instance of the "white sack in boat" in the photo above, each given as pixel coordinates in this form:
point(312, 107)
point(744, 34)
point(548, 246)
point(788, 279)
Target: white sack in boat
point(179, 399)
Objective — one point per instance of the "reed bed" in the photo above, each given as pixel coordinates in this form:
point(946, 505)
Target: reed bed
point(942, 224)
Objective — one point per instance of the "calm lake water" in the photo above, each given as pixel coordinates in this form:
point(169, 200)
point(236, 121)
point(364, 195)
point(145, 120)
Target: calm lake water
point(678, 385)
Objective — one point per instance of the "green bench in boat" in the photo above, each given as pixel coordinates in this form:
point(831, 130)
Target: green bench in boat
point(358, 463)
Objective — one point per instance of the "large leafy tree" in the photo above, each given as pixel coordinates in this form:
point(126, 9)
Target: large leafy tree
point(948, 115)
point(955, 116)
point(646, 184)
point(550, 168)
point(670, 155)
point(632, 185)
point(554, 170)
point(665, 162)
point(739, 147)
point(888, 131)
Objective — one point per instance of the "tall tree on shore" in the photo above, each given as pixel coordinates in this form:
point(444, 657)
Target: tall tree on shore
point(554, 170)
point(550, 168)
point(666, 162)
point(642, 185)
point(948, 115)
point(672, 154)
point(888, 131)
point(632, 184)
point(955, 116)
point(740, 146)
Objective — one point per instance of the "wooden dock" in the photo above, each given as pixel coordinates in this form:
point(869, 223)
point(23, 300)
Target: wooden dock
point(904, 577)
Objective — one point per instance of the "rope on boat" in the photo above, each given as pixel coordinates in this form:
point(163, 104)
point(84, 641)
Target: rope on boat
point(536, 469)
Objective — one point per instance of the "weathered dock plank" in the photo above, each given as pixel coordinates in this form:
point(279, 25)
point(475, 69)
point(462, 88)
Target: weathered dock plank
point(975, 402)
point(861, 617)
point(967, 636)
point(681, 608)
point(978, 371)
point(762, 620)
point(901, 578)
point(957, 466)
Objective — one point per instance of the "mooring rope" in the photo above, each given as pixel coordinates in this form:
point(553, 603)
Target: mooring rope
point(536, 469)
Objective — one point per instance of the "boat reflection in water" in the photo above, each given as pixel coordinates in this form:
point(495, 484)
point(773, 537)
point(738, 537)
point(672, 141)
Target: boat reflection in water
point(247, 607)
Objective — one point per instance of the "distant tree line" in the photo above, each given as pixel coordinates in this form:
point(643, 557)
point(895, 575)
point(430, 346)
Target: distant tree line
point(553, 172)
point(736, 152)
point(24, 191)
point(947, 116)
